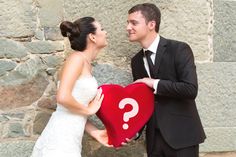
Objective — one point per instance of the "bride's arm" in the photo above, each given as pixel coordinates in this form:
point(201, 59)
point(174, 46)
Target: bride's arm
point(70, 73)
point(100, 135)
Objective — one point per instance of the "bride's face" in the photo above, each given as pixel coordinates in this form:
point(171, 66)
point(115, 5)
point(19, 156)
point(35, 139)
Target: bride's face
point(100, 35)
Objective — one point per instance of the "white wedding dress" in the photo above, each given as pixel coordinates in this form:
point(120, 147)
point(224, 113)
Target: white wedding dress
point(62, 137)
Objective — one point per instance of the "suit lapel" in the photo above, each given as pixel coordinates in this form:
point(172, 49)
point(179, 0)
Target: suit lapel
point(160, 51)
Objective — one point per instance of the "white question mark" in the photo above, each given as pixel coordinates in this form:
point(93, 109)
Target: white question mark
point(131, 113)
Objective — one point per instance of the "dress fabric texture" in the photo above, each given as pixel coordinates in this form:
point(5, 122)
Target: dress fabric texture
point(62, 137)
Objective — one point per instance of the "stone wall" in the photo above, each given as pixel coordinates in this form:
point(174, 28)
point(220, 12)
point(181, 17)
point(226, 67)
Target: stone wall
point(32, 50)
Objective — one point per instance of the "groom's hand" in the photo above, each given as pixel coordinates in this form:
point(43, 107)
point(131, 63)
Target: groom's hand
point(127, 140)
point(148, 81)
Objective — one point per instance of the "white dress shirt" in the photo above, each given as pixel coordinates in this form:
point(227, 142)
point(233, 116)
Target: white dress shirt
point(153, 48)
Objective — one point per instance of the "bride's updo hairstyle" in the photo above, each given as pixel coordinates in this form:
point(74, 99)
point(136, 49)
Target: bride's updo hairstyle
point(77, 32)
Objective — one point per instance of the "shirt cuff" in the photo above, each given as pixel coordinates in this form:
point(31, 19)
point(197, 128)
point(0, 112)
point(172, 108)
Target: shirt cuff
point(155, 84)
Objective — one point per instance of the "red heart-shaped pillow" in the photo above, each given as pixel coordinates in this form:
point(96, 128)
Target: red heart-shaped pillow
point(125, 110)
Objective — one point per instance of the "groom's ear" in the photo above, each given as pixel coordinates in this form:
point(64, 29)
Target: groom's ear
point(92, 37)
point(152, 25)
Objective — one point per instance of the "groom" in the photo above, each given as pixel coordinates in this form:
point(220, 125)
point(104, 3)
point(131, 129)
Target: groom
point(168, 67)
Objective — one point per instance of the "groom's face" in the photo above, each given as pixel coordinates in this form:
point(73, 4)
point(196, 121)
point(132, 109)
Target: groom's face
point(137, 27)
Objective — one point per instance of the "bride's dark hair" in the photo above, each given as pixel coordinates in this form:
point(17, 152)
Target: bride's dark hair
point(77, 32)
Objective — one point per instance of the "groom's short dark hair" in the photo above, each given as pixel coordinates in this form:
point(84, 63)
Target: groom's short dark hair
point(150, 12)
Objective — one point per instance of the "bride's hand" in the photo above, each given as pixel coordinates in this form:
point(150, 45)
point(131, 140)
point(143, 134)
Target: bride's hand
point(95, 104)
point(102, 137)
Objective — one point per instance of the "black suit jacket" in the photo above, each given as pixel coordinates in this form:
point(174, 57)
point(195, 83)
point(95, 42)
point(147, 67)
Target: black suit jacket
point(175, 110)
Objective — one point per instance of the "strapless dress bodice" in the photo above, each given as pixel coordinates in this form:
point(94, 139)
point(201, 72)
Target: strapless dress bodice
point(85, 89)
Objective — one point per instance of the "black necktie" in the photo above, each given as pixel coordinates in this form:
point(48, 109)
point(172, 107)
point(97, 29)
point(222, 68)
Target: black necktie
point(150, 63)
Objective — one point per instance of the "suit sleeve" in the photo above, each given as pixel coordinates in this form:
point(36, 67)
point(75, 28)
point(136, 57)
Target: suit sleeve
point(185, 86)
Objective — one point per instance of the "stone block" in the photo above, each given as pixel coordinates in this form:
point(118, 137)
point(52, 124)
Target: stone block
point(224, 31)
point(12, 78)
point(3, 118)
point(23, 94)
point(43, 47)
point(14, 115)
point(216, 97)
point(31, 67)
point(21, 148)
point(50, 12)
point(53, 33)
point(40, 121)
point(47, 102)
point(53, 61)
point(18, 18)
point(109, 74)
point(15, 130)
point(11, 49)
point(6, 65)
point(39, 34)
point(219, 139)
point(187, 21)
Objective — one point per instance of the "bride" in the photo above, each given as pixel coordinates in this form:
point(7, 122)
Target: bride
point(77, 96)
